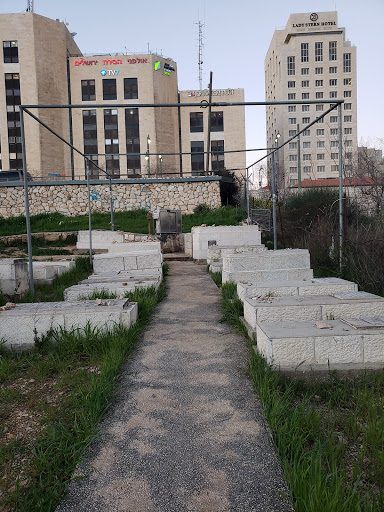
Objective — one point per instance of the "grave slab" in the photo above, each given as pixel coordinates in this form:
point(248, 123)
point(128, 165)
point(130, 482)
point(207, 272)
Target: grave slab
point(134, 247)
point(101, 239)
point(82, 291)
point(117, 262)
point(14, 277)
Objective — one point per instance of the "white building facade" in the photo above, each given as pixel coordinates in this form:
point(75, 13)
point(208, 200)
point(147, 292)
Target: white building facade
point(310, 60)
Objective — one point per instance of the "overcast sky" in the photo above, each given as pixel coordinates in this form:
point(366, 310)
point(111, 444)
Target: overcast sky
point(236, 38)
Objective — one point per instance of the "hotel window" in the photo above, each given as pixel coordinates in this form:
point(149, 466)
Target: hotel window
point(348, 155)
point(319, 83)
point(318, 71)
point(307, 169)
point(90, 140)
point(291, 120)
point(305, 83)
point(321, 168)
point(347, 106)
point(320, 120)
point(306, 145)
point(88, 92)
point(305, 71)
point(320, 144)
point(292, 158)
point(217, 122)
point(112, 165)
point(347, 81)
point(197, 156)
point(306, 120)
point(292, 145)
point(306, 133)
point(320, 156)
point(318, 52)
point(305, 95)
point(347, 68)
point(304, 52)
point(333, 82)
point(319, 95)
point(334, 131)
point(291, 65)
point(347, 94)
point(333, 119)
point(217, 155)
point(291, 96)
point(12, 89)
point(132, 135)
point(334, 143)
point(130, 89)
point(332, 50)
point(291, 108)
point(291, 133)
point(347, 131)
point(109, 89)
point(347, 143)
point(111, 135)
point(306, 156)
point(292, 170)
point(10, 51)
point(348, 119)
point(320, 131)
point(13, 100)
point(319, 108)
point(334, 168)
point(305, 108)
point(291, 84)
point(196, 122)
point(334, 156)
point(333, 94)
point(333, 69)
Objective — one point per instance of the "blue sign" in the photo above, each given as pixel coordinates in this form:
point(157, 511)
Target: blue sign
point(103, 72)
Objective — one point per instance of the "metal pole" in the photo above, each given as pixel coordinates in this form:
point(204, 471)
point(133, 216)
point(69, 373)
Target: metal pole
point(89, 211)
point(247, 193)
point(209, 125)
point(298, 159)
point(148, 159)
point(111, 200)
point(26, 200)
point(340, 190)
point(274, 204)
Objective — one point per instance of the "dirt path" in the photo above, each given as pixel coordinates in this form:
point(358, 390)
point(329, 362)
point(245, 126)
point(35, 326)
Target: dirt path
point(187, 433)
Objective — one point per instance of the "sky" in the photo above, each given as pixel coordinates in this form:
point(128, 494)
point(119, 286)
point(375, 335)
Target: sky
point(236, 36)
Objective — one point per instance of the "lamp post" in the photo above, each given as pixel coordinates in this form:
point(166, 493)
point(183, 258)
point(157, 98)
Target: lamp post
point(277, 162)
point(161, 165)
point(147, 155)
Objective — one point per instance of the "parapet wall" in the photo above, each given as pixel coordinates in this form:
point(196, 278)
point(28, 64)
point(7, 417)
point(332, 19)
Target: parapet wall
point(71, 198)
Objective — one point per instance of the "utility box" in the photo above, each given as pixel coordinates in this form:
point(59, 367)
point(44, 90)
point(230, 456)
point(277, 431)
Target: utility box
point(169, 221)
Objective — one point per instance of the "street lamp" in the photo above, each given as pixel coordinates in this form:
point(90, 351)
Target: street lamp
point(147, 156)
point(277, 161)
point(161, 165)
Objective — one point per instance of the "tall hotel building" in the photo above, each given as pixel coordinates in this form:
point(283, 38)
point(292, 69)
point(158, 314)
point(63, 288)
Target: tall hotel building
point(311, 60)
point(41, 64)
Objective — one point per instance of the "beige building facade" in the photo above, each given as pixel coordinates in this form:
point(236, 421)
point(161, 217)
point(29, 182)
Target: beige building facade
point(311, 60)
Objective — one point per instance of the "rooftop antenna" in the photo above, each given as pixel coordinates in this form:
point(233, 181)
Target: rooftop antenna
point(30, 6)
point(200, 25)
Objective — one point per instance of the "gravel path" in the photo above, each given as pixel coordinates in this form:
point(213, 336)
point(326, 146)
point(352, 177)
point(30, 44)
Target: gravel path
point(187, 433)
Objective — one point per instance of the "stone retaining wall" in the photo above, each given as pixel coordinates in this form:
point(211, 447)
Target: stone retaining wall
point(71, 198)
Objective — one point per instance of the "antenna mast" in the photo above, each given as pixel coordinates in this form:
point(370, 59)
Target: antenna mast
point(30, 6)
point(201, 45)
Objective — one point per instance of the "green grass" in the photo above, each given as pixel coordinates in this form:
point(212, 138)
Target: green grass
point(224, 216)
point(79, 369)
point(329, 436)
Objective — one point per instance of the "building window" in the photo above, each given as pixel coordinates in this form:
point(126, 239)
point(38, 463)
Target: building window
point(320, 131)
point(292, 158)
point(88, 92)
point(334, 168)
point(306, 156)
point(112, 165)
point(348, 156)
point(347, 81)
point(305, 71)
point(109, 89)
point(305, 83)
point(348, 119)
point(333, 69)
point(306, 120)
point(305, 108)
point(332, 50)
point(347, 94)
point(291, 120)
point(334, 143)
point(304, 52)
point(321, 168)
point(320, 120)
point(320, 144)
point(318, 71)
point(347, 106)
point(305, 95)
point(333, 82)
point(291, 108)
point(307, 169)
point(111, 135)
point(291, 133)
point(347, 131)
point(319, 108)
point(319, 95)
point(333, 119)
point(12, 89)
point(333, 94)
point(217, 122)
point(291, 84)
point(291, 96)
point(318, 52)
point(10, 51)
point(319, 83)
point(334, 156)
point(90, 139)
point(334, 131)
point(306, 133)
point(291, 65)
point(347, 67)
point(292, 170)
point(130, 89)
point(320, 156)
point(197, 157)
point(132, 135)
point(306, 145)
point(217, 154)
point(292, 145)
point(347, 143)
point(13, 100)
point(196, 122)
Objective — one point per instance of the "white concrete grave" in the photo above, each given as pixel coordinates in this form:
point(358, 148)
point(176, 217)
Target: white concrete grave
point(312, 307)
point(14, 277)
point(223, 235)
point(20, 325)
point(314, 286)
point(83, 291)
point(122, 261)
point(134, 247)
point(295, 344)
point(101, 239)
point(283, 264)
point(45, 271)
